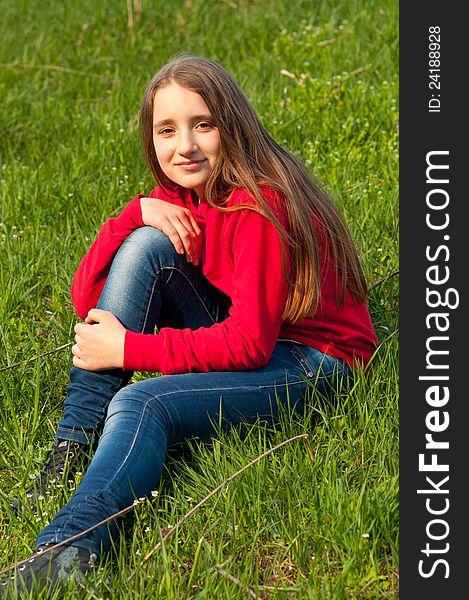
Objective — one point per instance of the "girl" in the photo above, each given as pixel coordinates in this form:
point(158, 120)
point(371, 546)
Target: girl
point(236, 279)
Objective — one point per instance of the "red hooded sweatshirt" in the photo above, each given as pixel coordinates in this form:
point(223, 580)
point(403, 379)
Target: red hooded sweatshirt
point(241, 256)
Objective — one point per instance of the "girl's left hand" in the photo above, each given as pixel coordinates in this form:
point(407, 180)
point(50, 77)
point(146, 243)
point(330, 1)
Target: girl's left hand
point(99, 342)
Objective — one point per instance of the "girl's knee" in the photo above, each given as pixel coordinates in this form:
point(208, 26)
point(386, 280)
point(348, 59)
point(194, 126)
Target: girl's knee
point(125, 413)
point(127, 399)
point(134, 398)
point(148, 242)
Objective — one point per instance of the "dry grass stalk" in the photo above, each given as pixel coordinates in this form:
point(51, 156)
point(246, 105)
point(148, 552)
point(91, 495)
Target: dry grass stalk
point(133, 7)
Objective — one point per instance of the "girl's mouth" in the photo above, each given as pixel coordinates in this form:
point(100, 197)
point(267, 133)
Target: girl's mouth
point(190, 165)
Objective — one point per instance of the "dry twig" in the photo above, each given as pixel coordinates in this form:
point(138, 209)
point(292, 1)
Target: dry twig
point(236, 581)
point(383, 279)
point(183, 519)
point(24, 362)
point(56, 69)
point(124, 511)
point(78, 535)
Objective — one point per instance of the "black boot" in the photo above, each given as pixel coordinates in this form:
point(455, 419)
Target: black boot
point(64, 456)
point(48, 568)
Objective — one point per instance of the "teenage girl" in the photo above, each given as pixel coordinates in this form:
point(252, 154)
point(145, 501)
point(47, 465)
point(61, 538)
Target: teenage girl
point(236, 278)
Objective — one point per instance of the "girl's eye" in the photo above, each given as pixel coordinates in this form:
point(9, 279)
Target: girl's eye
point(204, 125)
point(165, 131)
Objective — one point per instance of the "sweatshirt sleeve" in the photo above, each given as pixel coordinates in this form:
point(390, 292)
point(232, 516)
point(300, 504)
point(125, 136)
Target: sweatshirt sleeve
point(93, 269)
point(92, 272)
point(246, 339)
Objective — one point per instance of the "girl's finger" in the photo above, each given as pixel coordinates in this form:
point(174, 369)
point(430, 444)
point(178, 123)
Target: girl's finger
point(173, 235)
point(186, 236)
point(194, 224)
point(195, 232)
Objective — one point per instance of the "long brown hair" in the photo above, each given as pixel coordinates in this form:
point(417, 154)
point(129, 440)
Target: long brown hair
point(248, 157)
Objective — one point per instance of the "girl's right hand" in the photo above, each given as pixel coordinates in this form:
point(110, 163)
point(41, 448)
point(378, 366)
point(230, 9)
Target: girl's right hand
point(177, 223)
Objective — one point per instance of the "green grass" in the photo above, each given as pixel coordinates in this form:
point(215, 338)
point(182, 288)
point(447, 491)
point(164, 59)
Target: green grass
point(323, 77)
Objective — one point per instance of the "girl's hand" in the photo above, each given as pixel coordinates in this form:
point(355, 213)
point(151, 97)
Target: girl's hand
point(99, 342)
point(177, 223)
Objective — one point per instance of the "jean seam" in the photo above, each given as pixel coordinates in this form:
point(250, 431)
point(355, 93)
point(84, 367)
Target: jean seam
point(221, 389)
point(144, 410)
point(150, 300)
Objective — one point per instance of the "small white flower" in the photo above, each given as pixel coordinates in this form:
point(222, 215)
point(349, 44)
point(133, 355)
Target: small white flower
point(154, 493)
point(365, 535)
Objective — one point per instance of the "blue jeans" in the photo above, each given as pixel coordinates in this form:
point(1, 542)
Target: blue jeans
point(150, 285)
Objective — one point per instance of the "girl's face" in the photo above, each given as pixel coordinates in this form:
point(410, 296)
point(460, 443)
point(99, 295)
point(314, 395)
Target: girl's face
point(186, 141)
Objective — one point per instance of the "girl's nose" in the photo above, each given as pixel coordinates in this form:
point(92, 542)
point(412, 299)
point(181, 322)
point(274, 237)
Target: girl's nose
point(186, 143)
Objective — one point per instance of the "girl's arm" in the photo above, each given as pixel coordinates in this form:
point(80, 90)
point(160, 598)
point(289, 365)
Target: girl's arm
point(246, 339)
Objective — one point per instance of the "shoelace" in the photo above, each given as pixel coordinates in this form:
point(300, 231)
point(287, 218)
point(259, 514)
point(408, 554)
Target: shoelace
point(55, 464)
